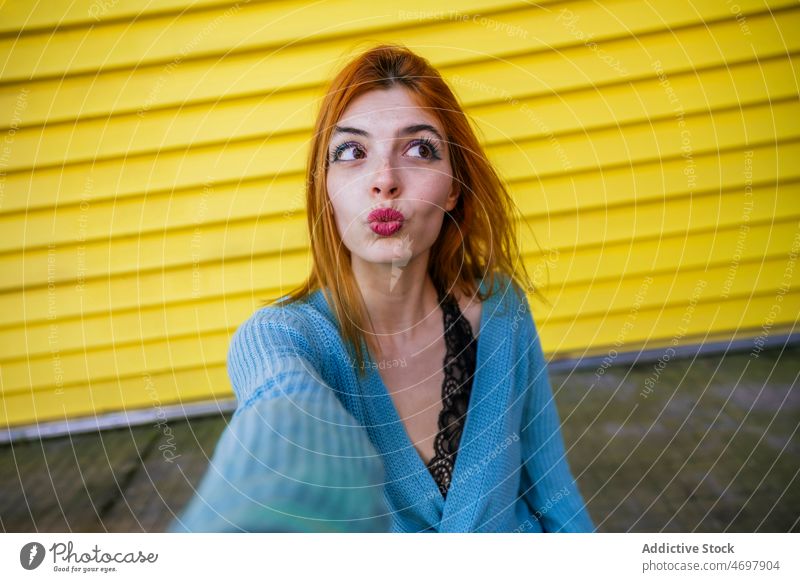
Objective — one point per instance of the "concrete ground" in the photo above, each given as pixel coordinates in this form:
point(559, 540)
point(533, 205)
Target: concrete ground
point(706, 444)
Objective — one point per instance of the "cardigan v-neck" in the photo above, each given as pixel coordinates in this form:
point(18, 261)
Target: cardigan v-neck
point(314, 446)
point(406, 456)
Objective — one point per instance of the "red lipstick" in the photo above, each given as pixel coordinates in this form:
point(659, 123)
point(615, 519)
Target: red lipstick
point(385, 221)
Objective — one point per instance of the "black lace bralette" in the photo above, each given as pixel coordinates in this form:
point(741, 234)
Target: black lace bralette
point(459, 369)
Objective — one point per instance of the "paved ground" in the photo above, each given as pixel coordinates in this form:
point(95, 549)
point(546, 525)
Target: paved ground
point(713, 447)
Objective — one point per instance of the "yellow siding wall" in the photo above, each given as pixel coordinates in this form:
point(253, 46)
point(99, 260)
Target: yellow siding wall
point(151, 173)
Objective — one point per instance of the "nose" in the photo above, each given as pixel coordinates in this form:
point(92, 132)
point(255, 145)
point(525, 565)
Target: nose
point(386, 181)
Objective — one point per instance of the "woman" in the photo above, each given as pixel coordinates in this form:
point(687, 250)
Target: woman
point(403, 386)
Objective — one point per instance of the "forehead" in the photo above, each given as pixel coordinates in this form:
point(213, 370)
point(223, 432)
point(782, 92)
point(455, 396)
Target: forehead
point(387, 109)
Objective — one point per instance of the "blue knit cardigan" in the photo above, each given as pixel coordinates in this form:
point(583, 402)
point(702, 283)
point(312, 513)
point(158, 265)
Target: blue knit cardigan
point(312, 447)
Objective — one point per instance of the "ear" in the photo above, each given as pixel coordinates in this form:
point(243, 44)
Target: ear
point(452, 198)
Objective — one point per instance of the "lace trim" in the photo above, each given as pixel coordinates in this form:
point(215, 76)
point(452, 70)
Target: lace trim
point(459, 369)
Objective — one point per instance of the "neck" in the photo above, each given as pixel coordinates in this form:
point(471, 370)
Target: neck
point(401, 302)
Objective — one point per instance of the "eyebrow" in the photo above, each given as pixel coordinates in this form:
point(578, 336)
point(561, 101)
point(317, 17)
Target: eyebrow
point(409, 130)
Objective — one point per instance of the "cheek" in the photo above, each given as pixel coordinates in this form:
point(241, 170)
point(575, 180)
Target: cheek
point(433, 204)
point(434, 188)
point(336, 197)
point(430, 226)
point(344, 211)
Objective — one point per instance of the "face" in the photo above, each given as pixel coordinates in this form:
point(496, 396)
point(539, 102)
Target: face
point(389, 177)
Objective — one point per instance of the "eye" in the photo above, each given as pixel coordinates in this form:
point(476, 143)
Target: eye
point(425, 149)
point(347, 151)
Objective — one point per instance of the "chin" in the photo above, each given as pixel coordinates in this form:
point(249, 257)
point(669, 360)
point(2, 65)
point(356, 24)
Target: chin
point(384, 256)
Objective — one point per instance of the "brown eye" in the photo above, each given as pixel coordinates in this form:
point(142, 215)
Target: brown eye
point(348, 151)
point(425, 150)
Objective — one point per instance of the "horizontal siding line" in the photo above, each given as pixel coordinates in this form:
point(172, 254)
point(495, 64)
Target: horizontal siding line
point(750, 333)
point(672, 197)
point(650, 161)
point(702, 110)
point(210, 361)
point(520, 144)
point(153, 11)
point(300, 177)
point(207, 363)
point(80, 317)
point(582, 281)
point(733, 226)
point(315, 86)
point(147, 233)
point(665, 28)
point(312, 41)
point(301, 213)
point(711, 152)
point(561, 319)
point(633, 123)
point(154, 153)
point(219, 6)
point(71, 121)
point(300, 253)
point(695, 153)
point(648, 76)
point(284, 251)
point(473, 108)
point(571, 284)
point(688, 71)
point(710, 303)
point(637, 272)
point(647, 122)
point(588, 311)
point(529, 256)
point(642, 31)
point(276, 253)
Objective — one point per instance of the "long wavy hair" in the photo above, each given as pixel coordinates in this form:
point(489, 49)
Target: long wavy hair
point(479, 240)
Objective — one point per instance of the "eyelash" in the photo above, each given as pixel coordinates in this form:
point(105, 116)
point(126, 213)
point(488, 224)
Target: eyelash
point(417, 142)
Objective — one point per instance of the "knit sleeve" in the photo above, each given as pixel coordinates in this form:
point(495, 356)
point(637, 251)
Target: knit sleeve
point(292, 458)
point(554, 495)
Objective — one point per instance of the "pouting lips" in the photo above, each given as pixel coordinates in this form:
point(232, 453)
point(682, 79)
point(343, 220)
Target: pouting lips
point(386, 221)
point(386, 228)
point(385, 215)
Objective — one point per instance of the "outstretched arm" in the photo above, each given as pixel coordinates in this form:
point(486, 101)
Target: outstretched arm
point(292, 457)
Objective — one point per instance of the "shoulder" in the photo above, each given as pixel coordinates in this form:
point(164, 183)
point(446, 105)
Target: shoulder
point(507, 297)
point(293, 329)
point(297, 325)
point(512, 307)
point(274, 328)
point(273, 343)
